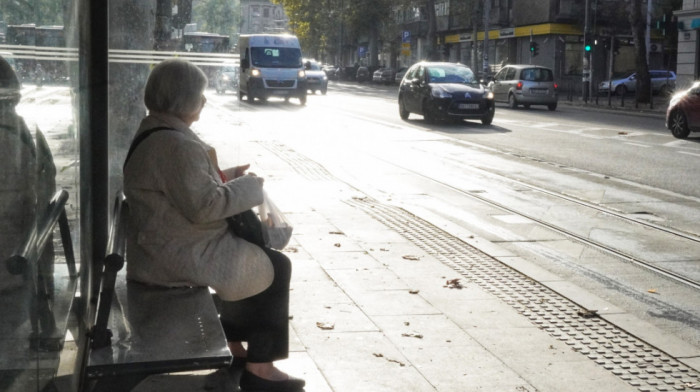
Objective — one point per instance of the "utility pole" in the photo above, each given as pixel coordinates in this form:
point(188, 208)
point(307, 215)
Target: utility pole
point(487, 17)
point(586, 63)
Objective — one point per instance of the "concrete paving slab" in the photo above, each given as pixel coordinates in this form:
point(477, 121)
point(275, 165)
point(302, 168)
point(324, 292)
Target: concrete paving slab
point(346, 260)
point(665, 342)
point(336, 318)
point(546, 363)
point(365, 361)
point(392, 302)
point(355, 281)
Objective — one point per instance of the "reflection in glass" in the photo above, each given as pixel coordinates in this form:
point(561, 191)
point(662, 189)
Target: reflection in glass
point(39, 156)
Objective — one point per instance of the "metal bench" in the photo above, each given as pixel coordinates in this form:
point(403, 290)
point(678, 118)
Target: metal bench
point(35, 316)
point(141, 330)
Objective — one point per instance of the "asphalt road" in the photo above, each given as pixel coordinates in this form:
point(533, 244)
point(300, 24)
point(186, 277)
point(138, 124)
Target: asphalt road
point(606, 200)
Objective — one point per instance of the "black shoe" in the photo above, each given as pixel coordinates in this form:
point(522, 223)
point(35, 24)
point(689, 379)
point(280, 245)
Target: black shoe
point(252, 383)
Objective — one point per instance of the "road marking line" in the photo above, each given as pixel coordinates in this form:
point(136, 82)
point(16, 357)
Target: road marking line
point(689, 153)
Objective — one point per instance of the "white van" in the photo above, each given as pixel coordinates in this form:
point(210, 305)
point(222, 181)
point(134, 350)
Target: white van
point(271, 66)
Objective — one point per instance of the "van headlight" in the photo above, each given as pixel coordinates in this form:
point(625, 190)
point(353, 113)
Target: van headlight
point(301, 74)
point(489, 95)
point(255, 72)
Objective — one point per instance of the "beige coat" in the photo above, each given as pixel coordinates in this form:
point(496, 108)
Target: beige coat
point(178, 234)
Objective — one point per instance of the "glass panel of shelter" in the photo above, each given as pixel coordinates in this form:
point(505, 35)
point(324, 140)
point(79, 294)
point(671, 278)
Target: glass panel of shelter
point(38, 134)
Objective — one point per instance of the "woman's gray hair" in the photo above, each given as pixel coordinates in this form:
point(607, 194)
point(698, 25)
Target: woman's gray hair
point(175, 87)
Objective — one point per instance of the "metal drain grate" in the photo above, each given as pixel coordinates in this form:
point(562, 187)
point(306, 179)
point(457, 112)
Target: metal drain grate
point(626, 356)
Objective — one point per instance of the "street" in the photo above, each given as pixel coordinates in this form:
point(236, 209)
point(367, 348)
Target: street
point(583, 221)
point(607, 200)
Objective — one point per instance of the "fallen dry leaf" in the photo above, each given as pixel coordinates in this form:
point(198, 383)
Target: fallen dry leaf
point(413, 291)
point(653, 291)
point(411, 257)
point(336, 232)
point(622, 133)
point(453, 284)
point(325, 325)
point(586, 313)
point(337, 244)
point(412, 335)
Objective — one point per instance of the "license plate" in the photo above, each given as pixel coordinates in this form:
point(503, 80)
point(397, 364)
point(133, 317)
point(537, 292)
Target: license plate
point(468, 105)
point(280, 92)
point(538, 91)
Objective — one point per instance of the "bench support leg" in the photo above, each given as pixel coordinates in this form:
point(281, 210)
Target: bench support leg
point(123, 383)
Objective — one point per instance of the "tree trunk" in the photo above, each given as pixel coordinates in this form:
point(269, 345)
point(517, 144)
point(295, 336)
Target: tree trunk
point(638, 24)
point(431, 39)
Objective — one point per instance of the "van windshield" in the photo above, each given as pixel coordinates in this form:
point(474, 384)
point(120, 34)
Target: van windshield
point(275, 57)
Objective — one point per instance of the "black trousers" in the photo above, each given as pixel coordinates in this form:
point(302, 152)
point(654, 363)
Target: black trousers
point(263, 319)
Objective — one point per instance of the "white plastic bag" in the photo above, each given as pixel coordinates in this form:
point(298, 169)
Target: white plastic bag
point(276, 229)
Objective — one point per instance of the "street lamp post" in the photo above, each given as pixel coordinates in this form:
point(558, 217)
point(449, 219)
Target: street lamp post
point(586, 58)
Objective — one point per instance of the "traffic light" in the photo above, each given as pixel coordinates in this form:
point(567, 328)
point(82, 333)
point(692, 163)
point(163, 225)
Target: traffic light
point(587, 43)
point(534, 48)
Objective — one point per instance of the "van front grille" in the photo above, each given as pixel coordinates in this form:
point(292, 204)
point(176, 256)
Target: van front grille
point(279, 83)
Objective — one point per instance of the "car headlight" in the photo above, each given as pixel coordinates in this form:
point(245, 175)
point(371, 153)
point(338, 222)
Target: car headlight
point(325, 77)
point(226, 77)
point(439, 92)
point(489, 95)
point(255, 72)
point(301, 74)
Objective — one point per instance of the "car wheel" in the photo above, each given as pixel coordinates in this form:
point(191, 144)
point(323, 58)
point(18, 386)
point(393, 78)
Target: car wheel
point(512, 103)
point(488, 118)
point(403, 113)
point(240, 95)
point(621, 90)
point(552, 107)
point(428, 114)
point(678, 125)
point(323, 92)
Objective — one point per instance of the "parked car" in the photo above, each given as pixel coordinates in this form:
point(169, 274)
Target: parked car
point(400, 74)
point(362, 74)
point(383, 75)
point(525, 85)
point(332, 71)
point(226, 78)
point(439, 90)
point(683, 113)
point(316, 79)
point(662, 82)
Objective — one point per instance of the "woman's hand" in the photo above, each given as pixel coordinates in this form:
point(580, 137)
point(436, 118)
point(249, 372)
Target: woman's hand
point(235, 172)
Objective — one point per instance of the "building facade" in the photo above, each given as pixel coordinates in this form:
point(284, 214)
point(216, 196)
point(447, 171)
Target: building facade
point(262, 17)
point(688, 42)
point(548, 33)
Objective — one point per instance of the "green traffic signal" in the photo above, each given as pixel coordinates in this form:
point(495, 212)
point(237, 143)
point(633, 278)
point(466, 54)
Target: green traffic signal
point(587, 48)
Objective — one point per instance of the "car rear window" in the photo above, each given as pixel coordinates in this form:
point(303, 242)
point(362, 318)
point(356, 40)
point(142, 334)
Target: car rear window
point(537, 75)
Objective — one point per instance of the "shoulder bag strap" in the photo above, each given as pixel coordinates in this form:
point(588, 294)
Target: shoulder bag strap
point(141, 137)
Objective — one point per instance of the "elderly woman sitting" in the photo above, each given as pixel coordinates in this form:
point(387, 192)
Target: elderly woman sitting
point(179, 202)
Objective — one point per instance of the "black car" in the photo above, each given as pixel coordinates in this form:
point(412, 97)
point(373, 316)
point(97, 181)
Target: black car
point(444, 91)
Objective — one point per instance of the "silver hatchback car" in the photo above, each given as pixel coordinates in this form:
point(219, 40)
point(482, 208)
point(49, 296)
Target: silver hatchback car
point(525, 85)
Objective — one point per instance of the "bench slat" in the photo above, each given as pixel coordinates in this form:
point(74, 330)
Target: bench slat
point(176, 329)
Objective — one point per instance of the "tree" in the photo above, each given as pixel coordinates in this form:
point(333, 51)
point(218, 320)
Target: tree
point(638, 25)
point(217, 16)
point(39, 12)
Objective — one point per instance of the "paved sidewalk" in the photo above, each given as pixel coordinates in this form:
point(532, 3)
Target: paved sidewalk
point(387, 300)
